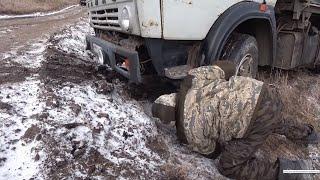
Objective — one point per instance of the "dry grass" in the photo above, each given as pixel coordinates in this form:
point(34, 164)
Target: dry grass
point(30, 6)
point(300, 92)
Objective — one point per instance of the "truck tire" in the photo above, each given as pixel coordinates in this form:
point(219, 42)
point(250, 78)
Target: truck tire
point(239, 49)
point(242, 49)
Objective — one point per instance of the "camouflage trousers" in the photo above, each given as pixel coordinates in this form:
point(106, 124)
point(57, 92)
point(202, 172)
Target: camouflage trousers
point(238, 159)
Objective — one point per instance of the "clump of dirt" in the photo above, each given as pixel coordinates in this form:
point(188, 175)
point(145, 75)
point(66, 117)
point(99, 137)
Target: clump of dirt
point(61, 67)
point(11, 72)
point(5, 106)
point(103, 87)
point(31, 133)
point(158, 145)
point(174, 172)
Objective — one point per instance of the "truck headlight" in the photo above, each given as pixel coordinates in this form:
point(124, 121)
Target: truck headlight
point(125, 19)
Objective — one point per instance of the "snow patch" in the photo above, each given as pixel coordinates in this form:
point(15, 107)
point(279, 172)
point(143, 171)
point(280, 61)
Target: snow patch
point(73, 39)
point(116, 117)
point(19, 156)
point(31, 57)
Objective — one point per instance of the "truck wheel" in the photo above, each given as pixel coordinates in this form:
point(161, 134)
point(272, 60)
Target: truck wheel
point(242, 49)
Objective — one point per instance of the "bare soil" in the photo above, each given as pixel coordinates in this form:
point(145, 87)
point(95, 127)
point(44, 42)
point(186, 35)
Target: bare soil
point(31, 6)
point(65, 154)
point(14, 33)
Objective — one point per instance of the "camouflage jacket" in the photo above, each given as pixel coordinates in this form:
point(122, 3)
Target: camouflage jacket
point(216, 110)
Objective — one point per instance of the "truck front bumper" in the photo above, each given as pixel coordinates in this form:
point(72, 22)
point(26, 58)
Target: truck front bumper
point(110, 50)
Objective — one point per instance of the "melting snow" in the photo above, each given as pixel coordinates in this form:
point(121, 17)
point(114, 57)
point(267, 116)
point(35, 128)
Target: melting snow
point(23, 97)
point(73, 39)
point(123, 127)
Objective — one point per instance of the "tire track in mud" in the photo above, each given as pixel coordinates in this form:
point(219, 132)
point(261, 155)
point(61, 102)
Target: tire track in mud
point(19, 88)
point(72, 119)
point(126, 140)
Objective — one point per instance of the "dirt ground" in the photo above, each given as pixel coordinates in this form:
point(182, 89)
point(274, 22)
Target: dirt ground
point(65, 117)
point(15, 33)
point(31, 6)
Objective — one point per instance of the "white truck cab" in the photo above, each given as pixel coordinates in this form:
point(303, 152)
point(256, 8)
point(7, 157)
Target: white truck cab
point(168, 37)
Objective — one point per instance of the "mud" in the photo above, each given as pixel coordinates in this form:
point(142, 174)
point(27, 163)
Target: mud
point(60, 68)
point(79, 120)
point(19, 31)
point(31, 133)
point(11, 72)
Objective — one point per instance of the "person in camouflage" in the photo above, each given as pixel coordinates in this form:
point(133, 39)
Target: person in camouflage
point(232, 116)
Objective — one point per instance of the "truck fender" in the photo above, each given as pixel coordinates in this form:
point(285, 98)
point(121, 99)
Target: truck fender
point(231, 19)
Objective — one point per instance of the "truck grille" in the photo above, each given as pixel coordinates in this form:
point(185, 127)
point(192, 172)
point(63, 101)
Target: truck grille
point(106, 19)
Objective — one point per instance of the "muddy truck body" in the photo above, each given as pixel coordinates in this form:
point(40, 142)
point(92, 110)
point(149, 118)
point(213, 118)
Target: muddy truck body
point(167, 37)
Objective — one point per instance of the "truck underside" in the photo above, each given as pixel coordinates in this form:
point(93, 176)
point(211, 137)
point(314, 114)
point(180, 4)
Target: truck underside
point(298, 34)
point(294, 41)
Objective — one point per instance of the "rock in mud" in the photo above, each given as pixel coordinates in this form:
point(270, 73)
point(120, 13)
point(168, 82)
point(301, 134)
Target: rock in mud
point(39, 137)
point(31, 133)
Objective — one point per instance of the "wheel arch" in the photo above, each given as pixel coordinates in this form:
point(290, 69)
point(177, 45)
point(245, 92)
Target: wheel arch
point(247, 18)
